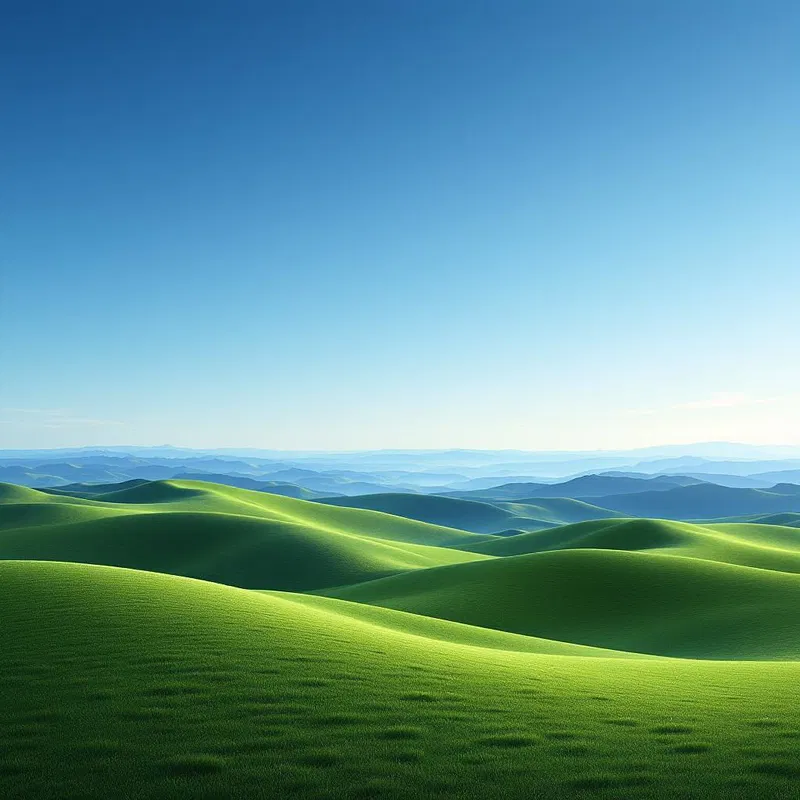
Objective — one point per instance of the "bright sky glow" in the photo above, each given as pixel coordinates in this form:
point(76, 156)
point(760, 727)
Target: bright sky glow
point(534, 225)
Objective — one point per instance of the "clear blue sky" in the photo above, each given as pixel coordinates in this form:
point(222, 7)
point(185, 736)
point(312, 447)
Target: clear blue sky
point(399, 223)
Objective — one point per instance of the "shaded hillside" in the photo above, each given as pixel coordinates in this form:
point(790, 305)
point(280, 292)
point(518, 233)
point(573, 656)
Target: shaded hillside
point(479, 517)
point(705, 501)
point(467, 515)
point(750, 545)
point(638, 602)
point(220, 533)
point(585, 486)
point(243, 482)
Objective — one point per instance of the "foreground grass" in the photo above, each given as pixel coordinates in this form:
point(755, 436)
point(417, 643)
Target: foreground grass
point(119, 683)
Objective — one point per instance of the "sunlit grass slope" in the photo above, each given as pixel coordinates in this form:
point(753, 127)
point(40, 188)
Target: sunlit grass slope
point(223, 534)
point(559, 510)
point(477, 516)
point(751, 545)
point(639, 602)
point(125, 684)
point(464, 514)
point(200, 496)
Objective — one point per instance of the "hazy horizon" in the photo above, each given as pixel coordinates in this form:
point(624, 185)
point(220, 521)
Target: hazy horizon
point(710, 449)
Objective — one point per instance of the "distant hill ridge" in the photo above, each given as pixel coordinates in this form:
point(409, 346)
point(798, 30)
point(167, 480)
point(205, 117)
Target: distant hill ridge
point(496, 517)
point(582, 487)
point(221, 533)
point(706, 501)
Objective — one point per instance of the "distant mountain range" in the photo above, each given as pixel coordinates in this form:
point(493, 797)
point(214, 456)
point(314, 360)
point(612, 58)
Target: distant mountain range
point(700, 502)
point(642, 482)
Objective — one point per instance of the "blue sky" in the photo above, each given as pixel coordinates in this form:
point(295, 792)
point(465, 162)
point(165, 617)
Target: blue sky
point(400, 224)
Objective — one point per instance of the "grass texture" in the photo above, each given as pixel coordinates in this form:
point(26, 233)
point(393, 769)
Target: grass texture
point(612, 658)
point(120, 683)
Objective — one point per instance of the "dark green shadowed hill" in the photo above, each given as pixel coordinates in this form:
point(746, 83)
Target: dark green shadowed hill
point(639, 602)
point(223, 534)
point(128, 684)
point(479, 517)
point(705, 501)
point(765, 546)
point(464, 514)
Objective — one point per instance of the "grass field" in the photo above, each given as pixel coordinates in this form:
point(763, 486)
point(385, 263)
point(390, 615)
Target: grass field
point(123, 683)
point(608, 659)
point(772, 547)
point(477, 516)
point(223, 534)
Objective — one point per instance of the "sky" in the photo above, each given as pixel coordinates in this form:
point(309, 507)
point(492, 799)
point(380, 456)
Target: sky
point(399, 223)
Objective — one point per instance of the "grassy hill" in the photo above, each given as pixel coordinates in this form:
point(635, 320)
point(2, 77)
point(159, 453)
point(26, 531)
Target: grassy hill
point(788, 519)
point(583, 486)
point(706, 501)
point(221, 533)
point(479, 517)
point(464, 514)
point(128, 684)
point(765, 546)
point(634, 601)
point(90, 490)
point(559, 510)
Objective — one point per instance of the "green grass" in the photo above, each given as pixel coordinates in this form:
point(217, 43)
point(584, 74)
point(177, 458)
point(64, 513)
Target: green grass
point(479, 517)
point(765, 546)
point(639, 602)
point(559, 510)
point(541, 665)
point(197, 496)
point(224, 534)
point(119, 683)
point(464, 514)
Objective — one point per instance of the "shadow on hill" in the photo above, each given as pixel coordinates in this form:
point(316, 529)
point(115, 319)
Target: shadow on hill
point(638, 602)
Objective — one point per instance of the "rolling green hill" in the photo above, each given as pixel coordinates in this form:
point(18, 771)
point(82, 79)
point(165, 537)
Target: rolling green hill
point(479, 517)
point(634, 601)
point(467, 515)
point(788, 519)
point(706, 501)
point(583, 486)
point(119, 683)
point(220, 533)
point(91, 490)
point(766, 546)
point(559, 510)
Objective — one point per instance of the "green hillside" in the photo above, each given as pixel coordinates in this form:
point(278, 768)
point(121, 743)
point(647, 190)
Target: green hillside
point(478, 517)
point(92, 490)
point(706, 502)
point(219, 533)
point(559, 510)
point(128, 684)
point(467, 515)
point(634, 601)
point(765, 546)
point(788, 519)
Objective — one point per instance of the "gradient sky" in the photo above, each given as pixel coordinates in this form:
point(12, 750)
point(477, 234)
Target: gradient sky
point(399, 223)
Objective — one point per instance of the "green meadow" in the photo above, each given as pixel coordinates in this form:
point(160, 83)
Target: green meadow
point(181, 639)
